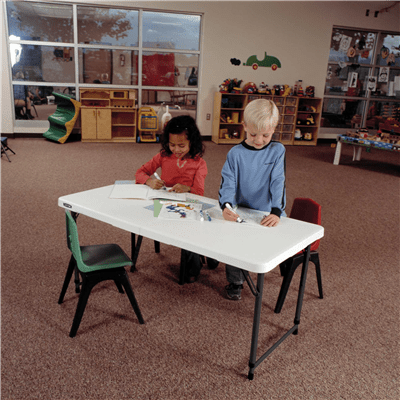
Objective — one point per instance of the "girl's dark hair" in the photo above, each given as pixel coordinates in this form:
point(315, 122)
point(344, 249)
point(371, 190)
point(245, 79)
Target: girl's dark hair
point(187, 125)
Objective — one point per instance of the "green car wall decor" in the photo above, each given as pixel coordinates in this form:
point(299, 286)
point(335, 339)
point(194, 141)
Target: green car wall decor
point(269, 61)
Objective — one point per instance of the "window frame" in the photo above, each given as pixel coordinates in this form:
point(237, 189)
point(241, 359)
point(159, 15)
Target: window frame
point(366, 97)
point(78, 47)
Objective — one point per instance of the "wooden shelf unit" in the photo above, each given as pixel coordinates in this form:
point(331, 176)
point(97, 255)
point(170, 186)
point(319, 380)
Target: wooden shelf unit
point(228, 117)
point(308, 107)
point(108, 115)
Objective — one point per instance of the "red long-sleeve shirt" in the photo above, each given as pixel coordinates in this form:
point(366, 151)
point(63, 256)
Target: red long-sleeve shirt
point(193, 172)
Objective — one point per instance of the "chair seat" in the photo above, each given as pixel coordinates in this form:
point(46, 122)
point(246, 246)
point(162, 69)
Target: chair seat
point(101, 256)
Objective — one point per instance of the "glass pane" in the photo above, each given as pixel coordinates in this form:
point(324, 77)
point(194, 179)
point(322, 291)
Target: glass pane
point(101, 66)
point(42, 63)
point(108, 26)
point(170, 69)
point(36, 102)
point(179, 102)
point(352, 46)
point(342, 113)
point(347, 81)
point(383, 83)
point(39, 21)
point(379, 112)
point(171, 31)
point(389, 50)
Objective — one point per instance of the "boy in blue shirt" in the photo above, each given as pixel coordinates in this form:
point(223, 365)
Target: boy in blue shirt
point(253, 176)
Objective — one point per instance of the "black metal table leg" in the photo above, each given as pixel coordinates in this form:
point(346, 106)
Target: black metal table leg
point(302, 288)
point(258, 292)
point(256, 325)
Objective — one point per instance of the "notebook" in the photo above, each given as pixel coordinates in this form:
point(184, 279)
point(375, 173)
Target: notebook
point(132, 190)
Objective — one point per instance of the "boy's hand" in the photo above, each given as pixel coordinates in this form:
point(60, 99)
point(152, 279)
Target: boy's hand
point(155, 183)
point(270, 220)
point(229, 215)
point(179, 188)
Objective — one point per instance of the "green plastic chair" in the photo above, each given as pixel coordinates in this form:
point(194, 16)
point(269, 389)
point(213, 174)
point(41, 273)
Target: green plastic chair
point(96, 263)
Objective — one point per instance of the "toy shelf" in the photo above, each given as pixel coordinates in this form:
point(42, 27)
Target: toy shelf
point(229, 109)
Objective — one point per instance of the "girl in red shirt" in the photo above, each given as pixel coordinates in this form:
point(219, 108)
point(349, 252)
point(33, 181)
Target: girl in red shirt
point(182, 169)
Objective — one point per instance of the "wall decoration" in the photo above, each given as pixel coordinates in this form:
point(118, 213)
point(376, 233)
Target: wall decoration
point(371, 83)
point(383, 74)
point(235, 61)
point(268, 61)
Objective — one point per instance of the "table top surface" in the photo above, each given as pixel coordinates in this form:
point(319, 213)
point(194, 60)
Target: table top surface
point(248, 246)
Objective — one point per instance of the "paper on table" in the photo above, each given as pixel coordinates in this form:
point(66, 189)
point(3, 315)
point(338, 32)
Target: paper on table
point(180, 210)
point(132, 190)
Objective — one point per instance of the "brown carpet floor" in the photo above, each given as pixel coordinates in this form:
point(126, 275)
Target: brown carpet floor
point(195, 343)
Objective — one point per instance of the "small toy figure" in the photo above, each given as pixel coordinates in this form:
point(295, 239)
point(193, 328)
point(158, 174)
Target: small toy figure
point(308, 136)
point(310, 120)
point(286, 90)
point(277, 90)
point(230, 85)
point(250, 88)
point(262, 89)
point(310, 91)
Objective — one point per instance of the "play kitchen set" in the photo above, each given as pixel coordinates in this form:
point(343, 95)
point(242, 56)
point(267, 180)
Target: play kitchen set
point(113, 116)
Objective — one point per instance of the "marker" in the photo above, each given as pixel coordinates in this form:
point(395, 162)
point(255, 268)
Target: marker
point(201, 215)
point(158, 177)
point(229, 207)
point(208, 216)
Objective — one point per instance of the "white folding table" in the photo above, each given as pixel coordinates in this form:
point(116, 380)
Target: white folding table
point(247, 246)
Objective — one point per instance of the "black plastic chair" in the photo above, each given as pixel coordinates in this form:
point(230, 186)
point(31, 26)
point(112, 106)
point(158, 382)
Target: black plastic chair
point(4, 148)
point(306, 210)
point(96, 263)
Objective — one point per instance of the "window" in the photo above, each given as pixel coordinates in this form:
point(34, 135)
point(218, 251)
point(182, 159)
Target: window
point(362, 86)
point(155, 52)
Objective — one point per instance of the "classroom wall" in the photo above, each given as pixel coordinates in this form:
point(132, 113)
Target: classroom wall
point(296, 32)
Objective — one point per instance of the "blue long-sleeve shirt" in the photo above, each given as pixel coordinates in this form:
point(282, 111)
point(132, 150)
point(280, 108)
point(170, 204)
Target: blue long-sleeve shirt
point(255, 178)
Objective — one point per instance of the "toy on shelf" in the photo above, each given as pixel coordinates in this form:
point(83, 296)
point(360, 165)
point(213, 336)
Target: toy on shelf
point(286, 90)
point(250, 88)
point(262, 88)
point(230, 85)
point(148, 124)
point(309, 120)
point(307, 136)
point(310, 91)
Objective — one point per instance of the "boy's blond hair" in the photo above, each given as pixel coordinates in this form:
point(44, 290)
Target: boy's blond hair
point(261, 114)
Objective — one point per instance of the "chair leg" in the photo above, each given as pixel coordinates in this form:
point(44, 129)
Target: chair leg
point(182, 270)
point(315, 259)
point(119, 286)
point(136, 248)
point(83, 298)
point(124, 280)
point(287, 279)
point(3, 150)
point(68, 276)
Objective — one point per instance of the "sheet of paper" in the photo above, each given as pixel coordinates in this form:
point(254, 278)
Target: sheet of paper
point(131, 190)
point(180, 211)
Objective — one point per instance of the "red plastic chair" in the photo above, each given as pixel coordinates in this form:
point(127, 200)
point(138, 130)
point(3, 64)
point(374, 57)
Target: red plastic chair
point(306, 210)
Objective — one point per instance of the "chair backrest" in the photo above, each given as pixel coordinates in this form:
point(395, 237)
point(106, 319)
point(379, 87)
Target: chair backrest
point(307, 210)
point(73, 241)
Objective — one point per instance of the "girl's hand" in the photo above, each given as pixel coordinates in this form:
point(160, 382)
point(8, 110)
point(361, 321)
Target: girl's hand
point(179, 188)
point(270, 220)
point(155, 183)
point(229, 215)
